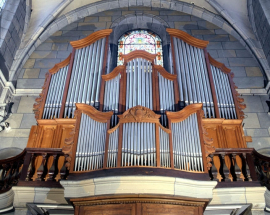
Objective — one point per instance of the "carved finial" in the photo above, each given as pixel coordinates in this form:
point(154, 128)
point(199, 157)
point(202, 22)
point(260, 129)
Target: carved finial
point(139, 114)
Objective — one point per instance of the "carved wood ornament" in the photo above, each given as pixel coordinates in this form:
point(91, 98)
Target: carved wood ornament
point(139, 114)
point(40, 101)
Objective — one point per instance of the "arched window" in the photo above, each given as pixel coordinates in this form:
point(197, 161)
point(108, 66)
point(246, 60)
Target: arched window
point(140, 40)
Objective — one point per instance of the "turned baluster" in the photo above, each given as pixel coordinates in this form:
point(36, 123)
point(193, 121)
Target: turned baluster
point(39, 167)
point(60, 168)
point(51, 167)
point(228, 164)
point(217, 164)
point(239, 162)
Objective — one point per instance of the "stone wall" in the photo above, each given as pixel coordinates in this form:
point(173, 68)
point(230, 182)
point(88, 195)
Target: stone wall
point(12, 26)
point(261, 18)
point(223, 47)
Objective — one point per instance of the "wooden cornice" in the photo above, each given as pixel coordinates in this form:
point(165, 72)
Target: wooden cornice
point(139, 114)
point(78, 44)
point(56, 121)
point(183, 114)
point(139, 54)
point(113, 74)
point(164, 73)
point(94, 113)
point(60, 65)
point(219, 65)
point(187, 38)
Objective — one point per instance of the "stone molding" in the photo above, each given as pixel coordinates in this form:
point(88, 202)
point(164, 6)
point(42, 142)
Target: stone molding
point(240, 195)
point(6, 200)
point(42, 195)
point(139, 185)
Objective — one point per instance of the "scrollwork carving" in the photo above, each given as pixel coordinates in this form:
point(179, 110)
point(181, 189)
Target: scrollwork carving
point(67, 149)
point(208, 144)
point(139, 114)
point(40, 101)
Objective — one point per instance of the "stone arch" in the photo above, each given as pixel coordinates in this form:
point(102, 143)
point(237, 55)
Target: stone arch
point(139, 21)
point(105, 5)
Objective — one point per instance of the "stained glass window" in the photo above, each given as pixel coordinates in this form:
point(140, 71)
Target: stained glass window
point(140, 40)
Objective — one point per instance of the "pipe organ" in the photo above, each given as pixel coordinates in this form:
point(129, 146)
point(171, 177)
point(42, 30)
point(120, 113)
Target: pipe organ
point(133, 116)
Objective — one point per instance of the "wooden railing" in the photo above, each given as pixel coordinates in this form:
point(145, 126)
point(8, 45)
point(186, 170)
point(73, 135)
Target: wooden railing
point(10, 170)
point(46, 166)
point(242, 164)
point(43, 165)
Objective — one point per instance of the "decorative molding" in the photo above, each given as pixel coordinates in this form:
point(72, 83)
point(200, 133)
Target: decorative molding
point(94, 113)
point(60, 65)
point(67, 149)
point(208, 144)
point(181, 115)
point(219, 65)
point(78, 44)
point(114, 73)
point(164, 73)
point(139, 114)
point(129, 199)
point(39, 106)
point(139, 54)
point(187, 38)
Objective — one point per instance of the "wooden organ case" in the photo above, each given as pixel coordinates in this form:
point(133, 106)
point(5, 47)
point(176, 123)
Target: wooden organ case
point(131, 118)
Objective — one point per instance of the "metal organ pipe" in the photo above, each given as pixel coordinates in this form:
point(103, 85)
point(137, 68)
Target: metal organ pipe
point(139, 144)
point(194, 86)
point(139, 83)
point(55, 94)
point(187, 154)
point(224, 94)
point(84, 86)
point(164, 148)
point(113, 149)
point(91, 144)
point(166, 97)
point(111, 98)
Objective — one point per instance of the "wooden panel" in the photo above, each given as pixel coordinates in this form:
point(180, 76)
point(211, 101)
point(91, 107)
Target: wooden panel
point(47, 136)
point(214, 129)
point(32, 137)
point(165, 209)
point(117, 209)
point(226, 133)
